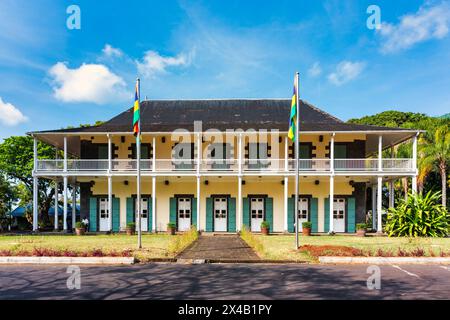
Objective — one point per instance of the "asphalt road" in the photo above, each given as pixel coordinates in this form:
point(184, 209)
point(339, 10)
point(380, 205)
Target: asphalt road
point(225, 281)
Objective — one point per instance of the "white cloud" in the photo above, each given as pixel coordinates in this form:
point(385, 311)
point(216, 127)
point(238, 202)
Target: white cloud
point(315, 70)
point(427, 23)
point(89, 83)
point(153, 63)
point(10, 115)
point(346, 71)
point(111, 52)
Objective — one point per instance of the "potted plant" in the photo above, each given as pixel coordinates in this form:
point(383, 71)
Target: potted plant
point(80, 228)
point(171, 228)
point(265, 228)
point(361, 229)
point(306, 228)
point(131, 228)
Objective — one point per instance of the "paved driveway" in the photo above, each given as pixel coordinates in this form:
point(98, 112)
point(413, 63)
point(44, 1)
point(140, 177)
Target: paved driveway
point(220, 247)
point(225, 281)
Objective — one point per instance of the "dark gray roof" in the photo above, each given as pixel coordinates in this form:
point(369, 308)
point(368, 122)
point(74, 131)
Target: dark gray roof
point(168, 115)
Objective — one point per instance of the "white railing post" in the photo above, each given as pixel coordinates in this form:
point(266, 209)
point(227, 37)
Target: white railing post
point(65, 154)
point(109, 153)
point(65, 196)
point(380, 153)
point(240, 153)
point(379, 204)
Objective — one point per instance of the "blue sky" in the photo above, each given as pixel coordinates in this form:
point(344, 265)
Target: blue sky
point(52, 77)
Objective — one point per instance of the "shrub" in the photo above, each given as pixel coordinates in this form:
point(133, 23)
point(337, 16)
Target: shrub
point(131, 225)
point(418, 216)
point(361, 226)
point(251, 240)
point(79, 225)
point(171, 225)
point(265, 224)
point(181, 242)
point(307, 225)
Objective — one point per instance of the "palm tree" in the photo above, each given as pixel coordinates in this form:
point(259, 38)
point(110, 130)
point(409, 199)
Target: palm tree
point(435, 151)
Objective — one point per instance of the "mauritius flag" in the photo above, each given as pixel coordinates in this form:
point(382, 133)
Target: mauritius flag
point(136, 113)
point(293, 116)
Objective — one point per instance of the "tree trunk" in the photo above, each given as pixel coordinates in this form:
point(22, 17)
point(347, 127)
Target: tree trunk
point(405, 187)
point(442, 169)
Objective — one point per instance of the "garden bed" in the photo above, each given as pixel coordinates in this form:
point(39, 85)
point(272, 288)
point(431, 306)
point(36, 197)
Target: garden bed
point(154, 246)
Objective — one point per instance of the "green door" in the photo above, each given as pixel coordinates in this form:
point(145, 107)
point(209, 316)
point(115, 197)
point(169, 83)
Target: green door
point(93, 214)
point(209, 215)
point(291, 215)
point(130, 210)
point(351, 215)
point(173, 211)
point(232, 215)
point(116, 215)
point(246, 213)
point(314, 215)
point(269, 213)
point(327, 215)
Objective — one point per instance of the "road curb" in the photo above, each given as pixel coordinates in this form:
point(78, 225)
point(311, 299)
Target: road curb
point(382, 260)
point(68, 260)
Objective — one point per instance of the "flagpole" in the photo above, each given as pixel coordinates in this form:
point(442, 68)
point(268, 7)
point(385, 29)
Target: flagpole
point(297, 169)
point(138, 167)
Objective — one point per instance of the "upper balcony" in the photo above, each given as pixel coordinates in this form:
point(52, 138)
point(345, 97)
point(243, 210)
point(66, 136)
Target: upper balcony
point(367, 166)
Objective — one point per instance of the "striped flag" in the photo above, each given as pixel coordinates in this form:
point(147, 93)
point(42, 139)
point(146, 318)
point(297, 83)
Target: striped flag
point(136, 113)
point(293, 116)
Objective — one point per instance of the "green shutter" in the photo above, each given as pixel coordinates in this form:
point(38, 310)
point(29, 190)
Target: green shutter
point(314, 215)
point(351, 216)
point(269, 212)
point(231, 215)
point(103, 152)
point(304, 151)
point(130, 210)
point(291, 215)
point(209, 214)
point(340, 151)
point(93, 214)
point(327, 215)
point(173, 210)
point(246, 213)
point(116, 215)
point(150, 215)
point(194, 212)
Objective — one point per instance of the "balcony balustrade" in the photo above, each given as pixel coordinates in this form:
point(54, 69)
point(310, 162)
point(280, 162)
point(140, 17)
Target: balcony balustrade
point(225, 165)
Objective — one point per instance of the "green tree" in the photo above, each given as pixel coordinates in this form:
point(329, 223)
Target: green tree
point(16, 162)
point(436, 153)
point(8, 196)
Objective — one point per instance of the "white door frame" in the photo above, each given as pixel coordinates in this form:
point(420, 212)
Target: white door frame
point(103, 214)
point(184, 213)
point(220, 214)
point(258, 214)
point(303, 212)
point(144, 213)
point(339, 214)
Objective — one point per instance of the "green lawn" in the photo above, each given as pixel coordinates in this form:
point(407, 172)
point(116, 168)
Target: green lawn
point(281, 247)
point(154, 245)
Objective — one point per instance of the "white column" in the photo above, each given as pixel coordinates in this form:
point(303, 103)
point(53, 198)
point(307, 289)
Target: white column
point(110, 200)
point(198, 203)
point(56, 215)
point(74, 205)
point(239, 217)
point(380, 153)
point(379, 203)
point(286, 154)
point(331, 183)
point(414, 178)
point(35, 186)
point(154, 205)
point(331, 204)
point(199, 159)
point(109, 153)
point(35, 203)
point(286, 197)
point(374, 207)
point(65, 191)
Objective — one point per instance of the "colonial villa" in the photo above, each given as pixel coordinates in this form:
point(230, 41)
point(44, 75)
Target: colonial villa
point(224, 164)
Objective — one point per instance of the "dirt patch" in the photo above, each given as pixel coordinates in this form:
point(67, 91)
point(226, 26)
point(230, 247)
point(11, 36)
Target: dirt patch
point(330, 250)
